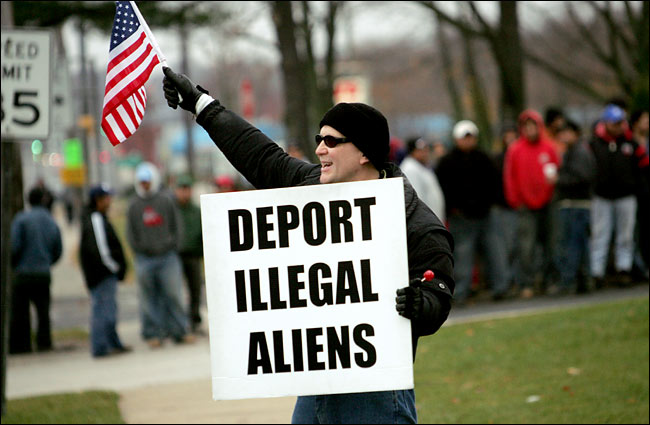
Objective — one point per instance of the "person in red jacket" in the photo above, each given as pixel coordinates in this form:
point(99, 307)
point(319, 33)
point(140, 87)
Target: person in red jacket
point(529, 176)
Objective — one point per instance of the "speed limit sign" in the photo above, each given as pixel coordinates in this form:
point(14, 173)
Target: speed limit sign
point(26, 70)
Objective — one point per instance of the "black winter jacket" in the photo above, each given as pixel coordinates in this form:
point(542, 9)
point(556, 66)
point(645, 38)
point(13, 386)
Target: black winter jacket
point(95, 268)
point(470, 182)
point(577, 173)
point(265, 165)
point(619, 164)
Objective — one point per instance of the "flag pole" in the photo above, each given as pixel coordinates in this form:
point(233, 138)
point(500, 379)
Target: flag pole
point(145, 27)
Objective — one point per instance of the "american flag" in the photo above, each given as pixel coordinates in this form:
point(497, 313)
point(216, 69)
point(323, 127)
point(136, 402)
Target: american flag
point(133, 54)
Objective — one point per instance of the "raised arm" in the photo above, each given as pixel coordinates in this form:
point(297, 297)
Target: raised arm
point(255, 156)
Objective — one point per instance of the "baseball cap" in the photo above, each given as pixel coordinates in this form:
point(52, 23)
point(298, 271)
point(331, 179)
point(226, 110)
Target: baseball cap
point(613, 113)
point(143, 174)
point(416, 143)
point(184, 181)
point(463, 128)
point(98, 191)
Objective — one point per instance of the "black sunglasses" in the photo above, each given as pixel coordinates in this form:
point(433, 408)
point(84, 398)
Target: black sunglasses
point(330, 141)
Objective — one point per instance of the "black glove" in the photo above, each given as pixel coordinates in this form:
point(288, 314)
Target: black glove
point(409, 300)
point(175, 84)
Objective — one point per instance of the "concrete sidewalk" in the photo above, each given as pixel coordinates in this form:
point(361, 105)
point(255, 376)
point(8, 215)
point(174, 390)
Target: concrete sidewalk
point(166, 385)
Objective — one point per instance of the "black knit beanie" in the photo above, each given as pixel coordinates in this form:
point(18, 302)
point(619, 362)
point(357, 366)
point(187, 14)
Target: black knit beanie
point(366, 128)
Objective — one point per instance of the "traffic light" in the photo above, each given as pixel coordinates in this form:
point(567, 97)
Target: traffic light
point(37, 147)
point(104, 157)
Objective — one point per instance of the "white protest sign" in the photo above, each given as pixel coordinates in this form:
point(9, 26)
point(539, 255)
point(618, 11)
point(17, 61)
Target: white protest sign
point(301, 290)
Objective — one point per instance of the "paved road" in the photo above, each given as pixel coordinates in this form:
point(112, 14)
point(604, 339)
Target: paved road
point(172, 384)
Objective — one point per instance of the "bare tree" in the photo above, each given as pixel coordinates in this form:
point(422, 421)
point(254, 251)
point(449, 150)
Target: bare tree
point(615, 41)
point(308, 92)
point(295, 85)
point(479, 101)
point(448, 70)
point(505, 44)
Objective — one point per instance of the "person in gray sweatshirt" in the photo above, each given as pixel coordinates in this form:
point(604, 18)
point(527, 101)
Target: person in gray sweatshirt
point(154, 232)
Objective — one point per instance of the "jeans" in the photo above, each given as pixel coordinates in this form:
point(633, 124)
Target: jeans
point(160, 290)
point(535, 227)
point(505, 224)
point(470, 235)
point(103, 321)
point(192, 269)
point(26, 289)
point(381, 407)
point(606, 215)
point(573, 244)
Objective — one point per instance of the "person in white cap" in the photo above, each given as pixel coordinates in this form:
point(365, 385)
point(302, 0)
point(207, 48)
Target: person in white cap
point(469, 180)
point(154, 229)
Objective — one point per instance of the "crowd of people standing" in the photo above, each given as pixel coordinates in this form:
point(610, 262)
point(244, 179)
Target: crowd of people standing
point(538, 215)
point(556, 209)
point(163, 230)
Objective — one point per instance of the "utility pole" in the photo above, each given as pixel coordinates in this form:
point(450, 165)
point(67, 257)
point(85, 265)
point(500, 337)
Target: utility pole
point(99, 175)
point(85, 118)
point(188, 121)
point(12, 202)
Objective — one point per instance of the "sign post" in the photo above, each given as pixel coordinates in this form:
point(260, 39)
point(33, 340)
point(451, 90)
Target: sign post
point(26, 71)
point(25, 115)
point(301, 290)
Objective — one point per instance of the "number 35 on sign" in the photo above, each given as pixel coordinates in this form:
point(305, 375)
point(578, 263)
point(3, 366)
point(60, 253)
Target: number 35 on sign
point(26, 71)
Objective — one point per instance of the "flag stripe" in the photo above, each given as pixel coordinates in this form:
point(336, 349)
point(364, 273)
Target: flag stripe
point(134, 41)
point(139, 102)
point(120, 124)
point(128, 89)
point(134, 110)
point(129, 63)
point(132, 80)
point(126, 118)
point(140, 55)
point(115, 129)
point(108, 131)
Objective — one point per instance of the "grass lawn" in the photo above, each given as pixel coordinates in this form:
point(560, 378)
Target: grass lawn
point(89, 407)
point(584, 365)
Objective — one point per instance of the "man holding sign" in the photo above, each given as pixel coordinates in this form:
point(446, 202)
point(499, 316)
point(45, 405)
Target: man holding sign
point(352, 146)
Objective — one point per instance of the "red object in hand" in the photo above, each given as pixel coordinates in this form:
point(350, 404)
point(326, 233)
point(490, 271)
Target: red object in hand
point(428, 276)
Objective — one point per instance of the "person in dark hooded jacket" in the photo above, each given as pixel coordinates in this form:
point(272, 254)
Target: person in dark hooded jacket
point(620, 164)
point(353, 145)
point(103, 264)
